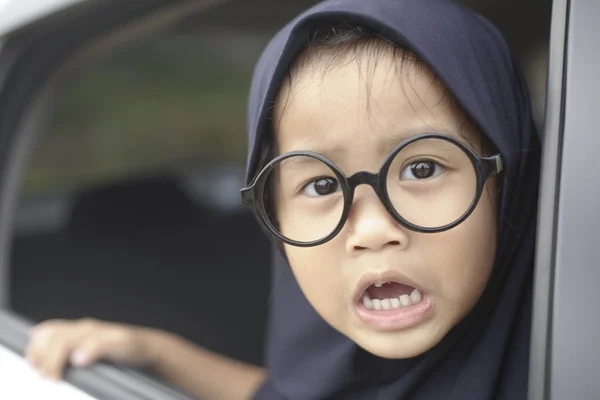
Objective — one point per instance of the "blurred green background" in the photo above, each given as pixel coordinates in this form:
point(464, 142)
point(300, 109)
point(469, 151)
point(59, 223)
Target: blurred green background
point(153, 105)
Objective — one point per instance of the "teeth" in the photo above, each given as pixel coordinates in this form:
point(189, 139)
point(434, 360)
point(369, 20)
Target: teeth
point(376, 304)
point(416, 296)
point(378, 284)
point(386, 304)
point(405, 300)
point(392, 303)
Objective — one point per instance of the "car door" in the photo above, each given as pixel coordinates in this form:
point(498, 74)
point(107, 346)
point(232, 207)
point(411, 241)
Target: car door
point(36, 40)
point(566, 324)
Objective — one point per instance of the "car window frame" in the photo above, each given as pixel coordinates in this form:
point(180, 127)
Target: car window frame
point(574, 330)
point(101, 381)
point(552, 136)
point(564, 351)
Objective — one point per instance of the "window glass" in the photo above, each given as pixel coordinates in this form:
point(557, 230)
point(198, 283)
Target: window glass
point(161, 103)
point(130, 204)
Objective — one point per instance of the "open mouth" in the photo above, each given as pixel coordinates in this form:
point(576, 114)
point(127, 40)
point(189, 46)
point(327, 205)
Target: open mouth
point(390, 296)
point(389, 302)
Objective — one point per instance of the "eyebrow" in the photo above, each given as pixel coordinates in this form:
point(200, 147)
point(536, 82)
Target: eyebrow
point(334, 152)
point(337, 152)
point(299, 162)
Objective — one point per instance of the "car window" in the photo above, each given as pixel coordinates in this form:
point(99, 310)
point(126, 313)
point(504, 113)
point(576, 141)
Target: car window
point(130, 201)
point(131, 197)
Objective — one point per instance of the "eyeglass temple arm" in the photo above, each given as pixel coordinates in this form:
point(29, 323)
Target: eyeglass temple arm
point(247, 196)
point(492, 165)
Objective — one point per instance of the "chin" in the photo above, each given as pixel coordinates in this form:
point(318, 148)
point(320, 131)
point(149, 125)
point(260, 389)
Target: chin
point(396, 345)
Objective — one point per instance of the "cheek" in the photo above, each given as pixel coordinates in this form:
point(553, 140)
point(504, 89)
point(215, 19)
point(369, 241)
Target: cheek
point(464, 257)
point(318, 273)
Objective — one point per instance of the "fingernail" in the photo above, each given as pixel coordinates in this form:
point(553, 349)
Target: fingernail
point(79, 358)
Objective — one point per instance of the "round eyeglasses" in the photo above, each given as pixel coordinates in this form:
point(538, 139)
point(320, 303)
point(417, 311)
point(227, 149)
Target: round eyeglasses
point(429, 183)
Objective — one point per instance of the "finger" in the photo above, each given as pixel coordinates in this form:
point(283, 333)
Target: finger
point(116, 344)
point(39, 337)
point(55, 359)
point(47, 324)
point(89, 352)
point(51, 343)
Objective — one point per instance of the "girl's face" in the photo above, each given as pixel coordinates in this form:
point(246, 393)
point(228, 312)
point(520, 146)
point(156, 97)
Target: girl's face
point(355, 114)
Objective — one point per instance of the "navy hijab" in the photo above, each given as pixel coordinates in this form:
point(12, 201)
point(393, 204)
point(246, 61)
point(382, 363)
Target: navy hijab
point(486, 355)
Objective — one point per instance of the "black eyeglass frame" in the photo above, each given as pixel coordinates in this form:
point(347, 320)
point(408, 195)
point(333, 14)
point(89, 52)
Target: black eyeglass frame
point(485, 168)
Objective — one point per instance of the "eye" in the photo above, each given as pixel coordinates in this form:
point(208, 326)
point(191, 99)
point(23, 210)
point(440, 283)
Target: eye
point(321, 187)
point(422, 169)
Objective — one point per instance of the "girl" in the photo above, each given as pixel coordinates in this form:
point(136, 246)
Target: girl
point(394, 161)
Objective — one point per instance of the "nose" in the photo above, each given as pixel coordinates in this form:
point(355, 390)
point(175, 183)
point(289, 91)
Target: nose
point(371, 226)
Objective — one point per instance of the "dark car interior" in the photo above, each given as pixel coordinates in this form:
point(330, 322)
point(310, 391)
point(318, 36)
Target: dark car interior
point(143, 252)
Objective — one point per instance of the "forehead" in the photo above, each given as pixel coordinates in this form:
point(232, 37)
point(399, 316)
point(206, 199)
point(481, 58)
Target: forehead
point(382, 98)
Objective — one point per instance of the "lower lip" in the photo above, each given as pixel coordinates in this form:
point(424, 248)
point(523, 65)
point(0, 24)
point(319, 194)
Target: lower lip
point(397, 319)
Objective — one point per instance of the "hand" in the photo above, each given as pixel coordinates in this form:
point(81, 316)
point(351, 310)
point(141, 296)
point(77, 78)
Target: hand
point(55, 343)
